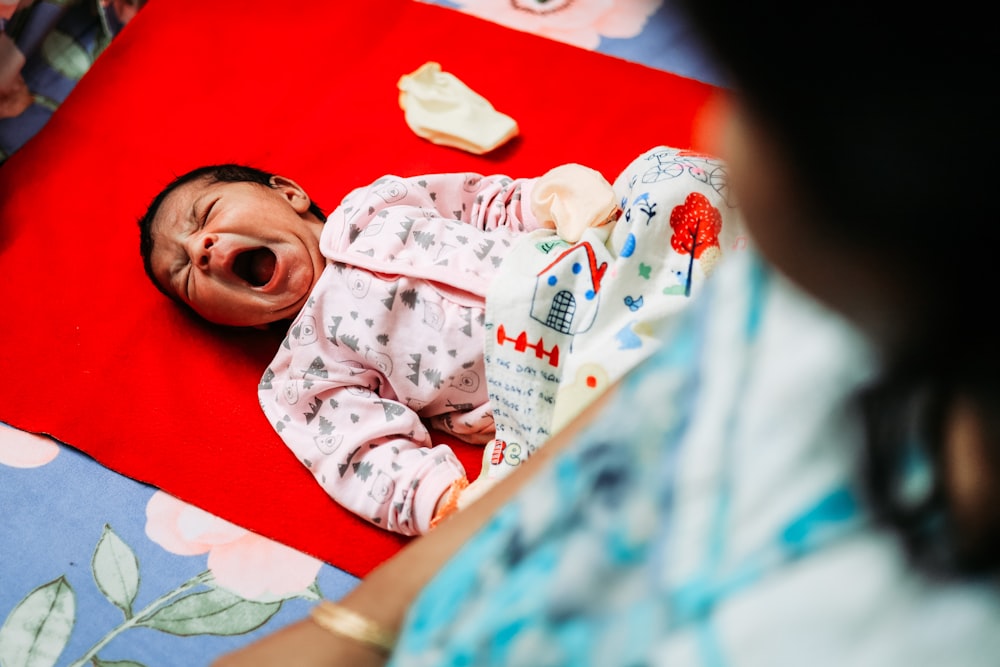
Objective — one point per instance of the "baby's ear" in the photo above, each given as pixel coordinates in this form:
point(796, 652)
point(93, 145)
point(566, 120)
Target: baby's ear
point(291, 190)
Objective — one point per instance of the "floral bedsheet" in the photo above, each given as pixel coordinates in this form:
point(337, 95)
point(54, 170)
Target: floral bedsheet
point(98, 569)
point(101, 570)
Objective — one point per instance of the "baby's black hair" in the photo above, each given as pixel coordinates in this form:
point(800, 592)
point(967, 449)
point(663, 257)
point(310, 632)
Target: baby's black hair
point(221, 173)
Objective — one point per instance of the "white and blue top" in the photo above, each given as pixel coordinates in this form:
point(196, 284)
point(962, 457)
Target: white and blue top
point(712, 515)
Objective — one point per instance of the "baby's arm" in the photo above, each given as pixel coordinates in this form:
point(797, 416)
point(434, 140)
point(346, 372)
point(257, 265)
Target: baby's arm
point(568, 198)
point(370, 454)
point(485, 202)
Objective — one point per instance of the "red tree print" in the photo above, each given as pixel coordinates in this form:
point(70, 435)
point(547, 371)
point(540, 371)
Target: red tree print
point(696, 224)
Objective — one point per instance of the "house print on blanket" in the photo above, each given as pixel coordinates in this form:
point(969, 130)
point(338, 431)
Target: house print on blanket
point(567, 301)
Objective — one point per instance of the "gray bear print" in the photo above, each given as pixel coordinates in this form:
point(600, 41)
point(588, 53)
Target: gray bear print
point(328, 444)
point(391, 192)
point(358, 282)
point(382, 488)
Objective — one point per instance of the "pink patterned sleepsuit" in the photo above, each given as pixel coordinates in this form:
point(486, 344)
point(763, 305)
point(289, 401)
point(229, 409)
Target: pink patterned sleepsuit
point(391, 340)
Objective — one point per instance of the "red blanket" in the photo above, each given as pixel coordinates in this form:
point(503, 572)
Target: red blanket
point(95, 356)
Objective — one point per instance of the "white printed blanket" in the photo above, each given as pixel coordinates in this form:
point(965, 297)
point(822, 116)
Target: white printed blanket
point(565, 321)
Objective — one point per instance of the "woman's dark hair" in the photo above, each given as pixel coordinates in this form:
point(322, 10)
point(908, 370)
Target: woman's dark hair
point(222, 173)
point(887, 116)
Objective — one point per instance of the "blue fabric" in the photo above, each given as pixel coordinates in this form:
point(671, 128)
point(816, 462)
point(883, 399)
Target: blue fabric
point(660, 537)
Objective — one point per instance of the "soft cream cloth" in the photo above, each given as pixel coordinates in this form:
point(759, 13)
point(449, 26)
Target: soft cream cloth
point(571, 198)
point(443, 110)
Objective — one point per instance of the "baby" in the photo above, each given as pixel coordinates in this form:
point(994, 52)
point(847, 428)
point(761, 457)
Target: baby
point(387, 302)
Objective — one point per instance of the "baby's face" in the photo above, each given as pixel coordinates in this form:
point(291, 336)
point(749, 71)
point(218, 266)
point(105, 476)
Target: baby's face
point(241, 254)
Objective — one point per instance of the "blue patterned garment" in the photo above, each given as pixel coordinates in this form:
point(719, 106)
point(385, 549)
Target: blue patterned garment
point(710, 517)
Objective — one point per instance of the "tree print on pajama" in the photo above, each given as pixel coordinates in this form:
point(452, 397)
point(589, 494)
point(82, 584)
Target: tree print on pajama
point(390, 343)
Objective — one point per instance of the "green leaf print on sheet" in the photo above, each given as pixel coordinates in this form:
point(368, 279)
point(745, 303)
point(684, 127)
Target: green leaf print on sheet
point(214, 612)
point(38, 629)
point(116, 571)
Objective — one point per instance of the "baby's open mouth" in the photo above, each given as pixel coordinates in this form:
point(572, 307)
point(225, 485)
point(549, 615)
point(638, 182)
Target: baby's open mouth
point(255, 266)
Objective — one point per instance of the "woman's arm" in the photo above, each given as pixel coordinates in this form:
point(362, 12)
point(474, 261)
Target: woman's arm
point(387, 593)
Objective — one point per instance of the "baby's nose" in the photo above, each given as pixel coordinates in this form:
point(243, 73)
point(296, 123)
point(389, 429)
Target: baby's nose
point(203, 251)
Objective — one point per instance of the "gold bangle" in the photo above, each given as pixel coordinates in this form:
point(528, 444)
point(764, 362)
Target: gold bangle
point(342, 621)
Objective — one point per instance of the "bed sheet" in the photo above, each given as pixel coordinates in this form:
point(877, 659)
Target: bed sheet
point(110, 569)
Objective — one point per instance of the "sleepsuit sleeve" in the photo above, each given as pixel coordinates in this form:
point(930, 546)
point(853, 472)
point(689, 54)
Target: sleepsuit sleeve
point(370, 453)
point(485, 202)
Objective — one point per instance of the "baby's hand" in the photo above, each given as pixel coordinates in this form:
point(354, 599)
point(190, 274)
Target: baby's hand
point(571, 198)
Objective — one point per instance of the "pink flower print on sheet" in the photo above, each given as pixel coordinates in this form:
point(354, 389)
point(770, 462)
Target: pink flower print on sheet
point(19, 449)
point(578, 22)
point(245, 563)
